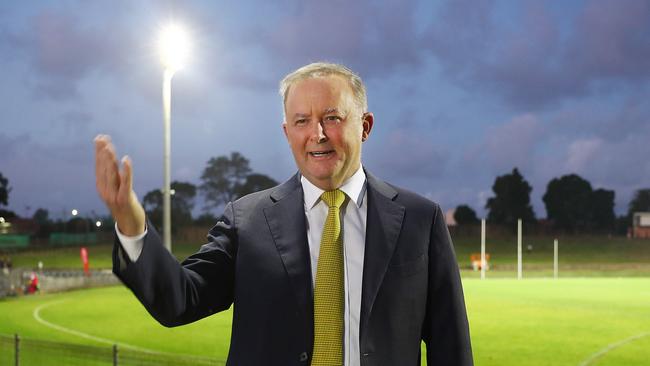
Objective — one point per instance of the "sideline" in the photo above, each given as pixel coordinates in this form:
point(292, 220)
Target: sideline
point(37, 316)
point(77, 333)
point(593, 357)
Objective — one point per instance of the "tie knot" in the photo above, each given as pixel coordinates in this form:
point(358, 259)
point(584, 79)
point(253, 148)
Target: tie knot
point(333, 198)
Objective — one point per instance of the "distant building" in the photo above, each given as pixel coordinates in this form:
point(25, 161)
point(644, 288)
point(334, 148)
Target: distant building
point(641, 225)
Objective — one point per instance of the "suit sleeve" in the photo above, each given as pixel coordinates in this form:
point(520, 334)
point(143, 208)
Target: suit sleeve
point(446, 329)
point(179, 293)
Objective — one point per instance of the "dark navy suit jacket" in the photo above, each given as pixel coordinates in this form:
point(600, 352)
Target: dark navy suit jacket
point(257, 259)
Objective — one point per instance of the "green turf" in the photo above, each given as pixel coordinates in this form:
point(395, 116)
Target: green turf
point(548, 322)
point(580, 256)
point(69, 257)
point(577, 249)
point(530, 322)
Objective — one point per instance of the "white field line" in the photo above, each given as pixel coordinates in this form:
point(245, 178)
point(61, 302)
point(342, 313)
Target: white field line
point(37, 316)
point(77, 333)
point(593, 357)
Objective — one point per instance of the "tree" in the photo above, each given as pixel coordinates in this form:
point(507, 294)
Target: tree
point(254, 182)
point(221, 178)
point(183, 199)
point(602, 209)
point(465, 215)
point(640, 202)
point(182, 203)
point(206, 219)
point(511, 200)
point(568, 202)
point(45, 226)
point(4, 190)
point(7, 214)
point(41, 216)
point(572, 204)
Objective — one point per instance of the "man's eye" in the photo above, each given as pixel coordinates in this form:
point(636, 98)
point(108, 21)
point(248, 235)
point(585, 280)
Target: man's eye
point(332, 119)
point(300, 122)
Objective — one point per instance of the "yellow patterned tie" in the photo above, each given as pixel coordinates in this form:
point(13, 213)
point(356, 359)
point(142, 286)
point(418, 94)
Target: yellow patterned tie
point(328, 293)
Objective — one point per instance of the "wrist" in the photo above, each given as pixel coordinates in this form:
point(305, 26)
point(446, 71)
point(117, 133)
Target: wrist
point(131, 220)
point(129, 227)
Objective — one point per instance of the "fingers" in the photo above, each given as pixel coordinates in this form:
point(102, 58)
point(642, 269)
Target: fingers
point(126, 181)
point(100, 143)
point(106, 170)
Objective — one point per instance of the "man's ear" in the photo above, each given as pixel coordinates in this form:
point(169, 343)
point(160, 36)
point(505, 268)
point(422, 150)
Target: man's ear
point(284, 128)
point(367, 121)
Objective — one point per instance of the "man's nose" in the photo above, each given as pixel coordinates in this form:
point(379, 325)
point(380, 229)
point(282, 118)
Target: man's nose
point(319, 132)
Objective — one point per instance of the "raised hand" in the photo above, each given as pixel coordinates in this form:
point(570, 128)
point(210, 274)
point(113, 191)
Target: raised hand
point(115, 188)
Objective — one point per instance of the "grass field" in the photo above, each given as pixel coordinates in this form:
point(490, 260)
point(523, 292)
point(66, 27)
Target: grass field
point(530, 322)
point(580, 256)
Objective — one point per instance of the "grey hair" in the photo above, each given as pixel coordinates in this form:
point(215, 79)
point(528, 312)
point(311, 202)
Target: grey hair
point(322, 69)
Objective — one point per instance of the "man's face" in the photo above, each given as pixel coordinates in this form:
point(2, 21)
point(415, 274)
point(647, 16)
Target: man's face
point(325, 128)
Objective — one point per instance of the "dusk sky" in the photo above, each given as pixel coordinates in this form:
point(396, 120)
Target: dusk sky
point(462, 91)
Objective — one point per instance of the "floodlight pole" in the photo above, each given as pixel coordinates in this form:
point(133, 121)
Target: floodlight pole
point(167, 212)
point(483, 262)
point(519, 264)
point(555, 259)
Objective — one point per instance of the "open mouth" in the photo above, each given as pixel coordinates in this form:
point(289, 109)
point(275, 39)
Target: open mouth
point(318, 154)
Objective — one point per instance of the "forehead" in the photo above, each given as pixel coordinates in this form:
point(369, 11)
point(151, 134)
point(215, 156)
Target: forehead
point(327, 92)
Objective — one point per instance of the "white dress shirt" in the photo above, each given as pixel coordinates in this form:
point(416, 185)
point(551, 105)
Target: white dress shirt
point(354, 213)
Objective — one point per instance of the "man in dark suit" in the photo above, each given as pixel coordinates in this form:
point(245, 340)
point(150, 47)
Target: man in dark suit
point(332, 267)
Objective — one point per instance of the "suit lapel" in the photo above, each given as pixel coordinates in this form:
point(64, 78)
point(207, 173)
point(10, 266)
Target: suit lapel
point(383, 225)
point(286, 221)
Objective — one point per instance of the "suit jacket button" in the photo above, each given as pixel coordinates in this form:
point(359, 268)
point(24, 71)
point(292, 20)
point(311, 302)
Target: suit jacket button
point(303, 357)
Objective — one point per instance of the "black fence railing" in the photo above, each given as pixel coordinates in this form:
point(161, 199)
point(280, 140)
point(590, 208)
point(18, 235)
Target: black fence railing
point(21, 351)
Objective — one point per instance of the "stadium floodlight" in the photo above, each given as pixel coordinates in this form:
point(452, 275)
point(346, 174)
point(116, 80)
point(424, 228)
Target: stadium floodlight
point(74, 212)
point(98, 223)
point(174, 49)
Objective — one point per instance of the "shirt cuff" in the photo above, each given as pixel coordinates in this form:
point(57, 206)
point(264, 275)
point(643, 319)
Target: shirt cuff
point(132, 245)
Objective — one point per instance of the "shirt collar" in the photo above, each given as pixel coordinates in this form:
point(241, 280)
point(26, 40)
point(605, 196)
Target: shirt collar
point(354, 187)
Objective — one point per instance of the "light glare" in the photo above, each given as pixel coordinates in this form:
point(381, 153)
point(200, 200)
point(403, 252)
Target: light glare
point(174, 47)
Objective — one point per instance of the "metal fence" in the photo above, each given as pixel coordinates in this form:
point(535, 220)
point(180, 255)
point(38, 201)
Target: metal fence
point(21, 351)
point(13, 282)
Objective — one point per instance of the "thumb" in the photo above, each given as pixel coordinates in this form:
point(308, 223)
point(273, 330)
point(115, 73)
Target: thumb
point(126, 181)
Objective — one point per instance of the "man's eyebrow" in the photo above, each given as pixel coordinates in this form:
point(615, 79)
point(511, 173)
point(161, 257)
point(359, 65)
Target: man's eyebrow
point(333, 110)
point(300, 115)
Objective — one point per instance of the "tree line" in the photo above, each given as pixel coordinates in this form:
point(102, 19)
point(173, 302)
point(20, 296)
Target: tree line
point(224, 179)
point(572, 205)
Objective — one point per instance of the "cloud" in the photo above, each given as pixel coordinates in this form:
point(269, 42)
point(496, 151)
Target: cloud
point(535, 59)
point(372, 39)
point(580, 154)
point(52, 177)
point(66, 46)
point(507, 145)
point(405, 155)
point(611, 41)
point(61, 52)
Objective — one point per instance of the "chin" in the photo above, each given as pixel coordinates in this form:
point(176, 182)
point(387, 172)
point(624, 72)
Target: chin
point(321, 177)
